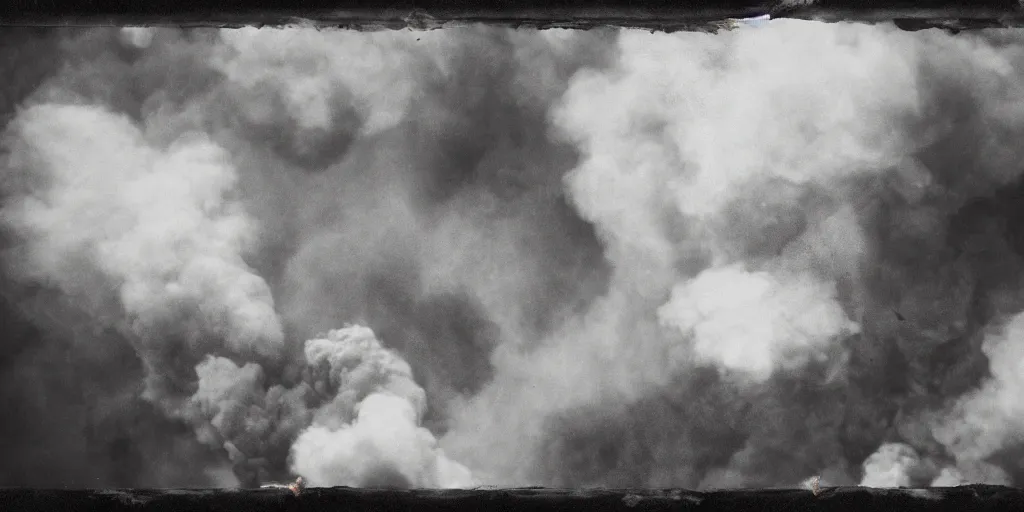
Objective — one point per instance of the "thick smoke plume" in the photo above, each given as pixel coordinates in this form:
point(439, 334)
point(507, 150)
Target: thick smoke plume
point(151, 225)
point(354, 419)
point(782, 200)
point(552, 258)
point(371, 434)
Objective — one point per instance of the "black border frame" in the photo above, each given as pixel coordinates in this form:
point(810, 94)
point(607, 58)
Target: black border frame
point(703, 15)
point(668, 15)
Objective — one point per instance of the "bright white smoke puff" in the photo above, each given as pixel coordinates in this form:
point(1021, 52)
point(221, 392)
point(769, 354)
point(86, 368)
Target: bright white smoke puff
point(139, 37)
point(384, 446)
point(890, 466)
point(755, 322)
point(370, 434)
point(949, 477)
point(992, 417)
point(158, 223)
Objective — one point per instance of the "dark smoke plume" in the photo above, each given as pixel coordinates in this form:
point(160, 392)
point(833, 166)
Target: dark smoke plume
point(484, 256)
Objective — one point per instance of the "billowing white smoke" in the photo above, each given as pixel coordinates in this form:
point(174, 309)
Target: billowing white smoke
point(991, 417)
point(384, 446)
point(949, 477)
point(678, 173)
point(370, 433)
point(366, 431)
point(139, 37)
point(726, 176)
point(103, 209)
point(890, 466)
point(355, 364)
point(755, 323)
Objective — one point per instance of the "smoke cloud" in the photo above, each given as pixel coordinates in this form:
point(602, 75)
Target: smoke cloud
point(891, 465)
point(479, 256)
point(150, 224)
point(764, 324)
point(987, 419)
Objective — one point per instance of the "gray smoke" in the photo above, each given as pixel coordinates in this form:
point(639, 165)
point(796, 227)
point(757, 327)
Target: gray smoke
point(354, 417)
point(575, 258)
point(102, 210)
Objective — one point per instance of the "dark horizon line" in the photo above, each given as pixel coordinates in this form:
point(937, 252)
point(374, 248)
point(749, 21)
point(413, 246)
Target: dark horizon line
point(970, 497)
point(425, 14)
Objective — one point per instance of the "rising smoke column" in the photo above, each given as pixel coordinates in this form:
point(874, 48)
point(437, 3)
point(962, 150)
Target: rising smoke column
point(370, 433)
point(986, 419)
point(103, 210)
point(780, 197)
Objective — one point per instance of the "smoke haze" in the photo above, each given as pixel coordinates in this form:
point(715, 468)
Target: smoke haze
point(480, 256)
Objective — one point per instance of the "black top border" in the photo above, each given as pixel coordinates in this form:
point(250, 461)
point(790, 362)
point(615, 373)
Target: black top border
point(426, 14)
